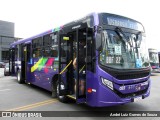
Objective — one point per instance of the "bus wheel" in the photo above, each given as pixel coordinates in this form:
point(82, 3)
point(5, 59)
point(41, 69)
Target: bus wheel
point(62, 98)
point(19, 78)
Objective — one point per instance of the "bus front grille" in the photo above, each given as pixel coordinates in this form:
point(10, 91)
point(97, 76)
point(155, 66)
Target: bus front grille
point(127, 74)
point(129, 95)
point(131, 76)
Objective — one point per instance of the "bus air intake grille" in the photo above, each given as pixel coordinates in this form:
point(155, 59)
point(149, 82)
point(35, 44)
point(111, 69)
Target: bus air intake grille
point(127, 74)
point(131, 76)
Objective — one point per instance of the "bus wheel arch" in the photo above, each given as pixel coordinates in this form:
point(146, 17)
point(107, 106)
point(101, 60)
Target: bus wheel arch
point(53, 86)
point(55, 90)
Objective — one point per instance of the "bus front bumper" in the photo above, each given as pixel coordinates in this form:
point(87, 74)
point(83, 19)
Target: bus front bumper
point(106, 97)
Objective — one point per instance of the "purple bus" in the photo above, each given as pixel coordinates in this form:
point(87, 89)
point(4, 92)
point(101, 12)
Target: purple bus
point(115, 68)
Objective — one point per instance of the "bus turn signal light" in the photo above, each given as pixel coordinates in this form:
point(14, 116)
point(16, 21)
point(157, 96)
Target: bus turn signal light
point(89, 90)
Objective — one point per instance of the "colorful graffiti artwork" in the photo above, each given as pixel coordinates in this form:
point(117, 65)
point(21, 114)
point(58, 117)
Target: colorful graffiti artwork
point(43, 63)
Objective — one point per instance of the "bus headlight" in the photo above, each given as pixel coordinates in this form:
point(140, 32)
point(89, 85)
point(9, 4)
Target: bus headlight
point(107, 83)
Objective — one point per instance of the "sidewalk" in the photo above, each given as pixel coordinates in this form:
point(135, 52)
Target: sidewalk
point(1, 72)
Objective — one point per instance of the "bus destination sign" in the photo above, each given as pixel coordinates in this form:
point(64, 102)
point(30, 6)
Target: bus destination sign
point(122, 22)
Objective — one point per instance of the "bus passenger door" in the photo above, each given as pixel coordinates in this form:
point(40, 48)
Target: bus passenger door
point(80, 71)
point(12, 61)
point(85, 65)
point(75, 80)
point(65, 65)
point(25, 62)
point(28, 63)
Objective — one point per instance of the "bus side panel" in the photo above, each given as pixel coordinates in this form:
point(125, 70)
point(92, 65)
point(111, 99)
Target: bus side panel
point(30, 75)
point(47, 73)
point(34, 73)
point(91, 88)
point(42, 72)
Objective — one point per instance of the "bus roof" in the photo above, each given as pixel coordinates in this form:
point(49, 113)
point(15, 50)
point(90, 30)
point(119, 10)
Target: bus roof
point(27, 40)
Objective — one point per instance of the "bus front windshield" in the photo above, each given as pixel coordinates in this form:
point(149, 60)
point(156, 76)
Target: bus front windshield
point(123, 50)
point(153, 56)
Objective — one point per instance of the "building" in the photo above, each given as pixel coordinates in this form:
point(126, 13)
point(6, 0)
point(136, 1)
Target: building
point(6, 38)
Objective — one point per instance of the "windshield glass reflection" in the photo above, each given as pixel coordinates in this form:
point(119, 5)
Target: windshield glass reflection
point(123, 50)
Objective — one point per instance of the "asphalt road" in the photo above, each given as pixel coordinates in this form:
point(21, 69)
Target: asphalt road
point(23, 97)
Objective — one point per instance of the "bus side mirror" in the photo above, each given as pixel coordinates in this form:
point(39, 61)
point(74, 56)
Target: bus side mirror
point(98, 42)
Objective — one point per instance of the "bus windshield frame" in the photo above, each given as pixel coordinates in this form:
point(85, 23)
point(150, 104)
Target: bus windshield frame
point(123, 50)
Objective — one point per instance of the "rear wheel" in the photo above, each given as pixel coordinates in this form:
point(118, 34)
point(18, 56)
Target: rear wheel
point(19, 78)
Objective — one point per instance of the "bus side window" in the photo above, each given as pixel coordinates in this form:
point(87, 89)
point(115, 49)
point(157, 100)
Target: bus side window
point(37, 52)
point(37, 47)
point(46, 52)
point(54, 51)
point(63, 52)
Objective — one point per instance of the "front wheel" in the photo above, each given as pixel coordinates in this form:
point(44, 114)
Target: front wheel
point(62, 98)
point(19, 77)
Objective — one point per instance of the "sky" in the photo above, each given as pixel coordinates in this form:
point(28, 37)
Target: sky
point(32, 17)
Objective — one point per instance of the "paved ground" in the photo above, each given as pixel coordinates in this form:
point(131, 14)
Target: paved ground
point(22, 97)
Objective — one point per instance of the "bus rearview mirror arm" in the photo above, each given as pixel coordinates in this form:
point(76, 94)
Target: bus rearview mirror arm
point(95, 57)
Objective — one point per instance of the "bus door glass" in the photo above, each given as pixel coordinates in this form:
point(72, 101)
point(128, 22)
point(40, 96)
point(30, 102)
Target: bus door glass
point(80, 72)
point(28, 63)
point(84, 62)
point(11, 61)
point(85, 65)
point(24, 61)
point(65, 65)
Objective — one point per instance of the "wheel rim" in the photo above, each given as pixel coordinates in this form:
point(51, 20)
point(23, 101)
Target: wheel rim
point(62, 87)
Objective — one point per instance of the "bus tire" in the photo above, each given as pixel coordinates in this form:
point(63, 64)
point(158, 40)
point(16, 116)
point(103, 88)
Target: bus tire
point(19, 77)
point(53, 88)
point(62, 98)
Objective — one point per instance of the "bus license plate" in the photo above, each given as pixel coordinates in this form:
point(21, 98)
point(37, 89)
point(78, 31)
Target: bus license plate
point(137, 99)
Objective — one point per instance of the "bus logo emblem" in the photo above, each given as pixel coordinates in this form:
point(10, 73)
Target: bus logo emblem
point(122, 88)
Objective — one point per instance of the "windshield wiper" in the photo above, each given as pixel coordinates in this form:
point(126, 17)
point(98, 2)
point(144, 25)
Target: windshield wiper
point(139, 38)
point(121, 34)
point(124, 37)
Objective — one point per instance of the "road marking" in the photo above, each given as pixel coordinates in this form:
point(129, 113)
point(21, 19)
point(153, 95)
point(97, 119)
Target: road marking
point(34, 105)
point(4, 90)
